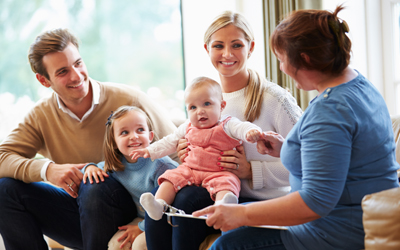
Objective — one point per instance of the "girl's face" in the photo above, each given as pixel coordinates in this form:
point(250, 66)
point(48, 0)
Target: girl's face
point(132, 132)
point(204, 106)
point(228, 50)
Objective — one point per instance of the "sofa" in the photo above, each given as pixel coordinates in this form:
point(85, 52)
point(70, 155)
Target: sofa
point(381, 211)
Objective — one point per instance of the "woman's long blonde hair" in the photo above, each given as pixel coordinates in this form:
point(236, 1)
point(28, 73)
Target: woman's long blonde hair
point(256, 85)
point(112, 155)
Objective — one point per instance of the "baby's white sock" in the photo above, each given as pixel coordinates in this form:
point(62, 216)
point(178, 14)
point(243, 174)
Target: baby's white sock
point(153, 207)
point(229, 198)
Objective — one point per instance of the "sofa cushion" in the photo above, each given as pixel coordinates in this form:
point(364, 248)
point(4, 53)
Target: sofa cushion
point(381, 220)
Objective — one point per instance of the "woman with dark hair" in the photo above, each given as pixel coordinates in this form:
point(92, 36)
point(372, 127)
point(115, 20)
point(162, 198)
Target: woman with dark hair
point(341, 149)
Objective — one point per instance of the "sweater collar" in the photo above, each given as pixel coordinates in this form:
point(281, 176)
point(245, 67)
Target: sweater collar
point(237, 93)
point(140, 163)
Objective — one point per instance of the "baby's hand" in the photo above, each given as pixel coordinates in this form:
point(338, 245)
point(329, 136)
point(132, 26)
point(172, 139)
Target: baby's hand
point(93, 172)
point(253, 136)
point(143, 152)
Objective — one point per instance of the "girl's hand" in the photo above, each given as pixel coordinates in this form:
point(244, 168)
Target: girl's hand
point(182, 149)
point(224, 216)
point(235, 161)
point(270, 143)
point(93, 172)
point(130, 234)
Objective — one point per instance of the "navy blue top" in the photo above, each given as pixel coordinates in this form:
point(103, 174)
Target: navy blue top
point(140, 177)
point(341, 149)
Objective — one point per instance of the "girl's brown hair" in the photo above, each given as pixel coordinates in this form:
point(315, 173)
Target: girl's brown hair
point(257, 85)
point(319, 34)
point(112, 155)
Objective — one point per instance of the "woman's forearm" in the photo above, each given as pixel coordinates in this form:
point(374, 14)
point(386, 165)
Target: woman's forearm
point(288, 210)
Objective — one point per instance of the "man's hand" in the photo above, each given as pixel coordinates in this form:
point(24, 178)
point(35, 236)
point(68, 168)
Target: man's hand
point(66, 176)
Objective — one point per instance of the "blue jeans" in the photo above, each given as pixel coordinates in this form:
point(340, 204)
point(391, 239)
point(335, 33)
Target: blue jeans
point(189, 233)
point(249, 238)
point(29, 210)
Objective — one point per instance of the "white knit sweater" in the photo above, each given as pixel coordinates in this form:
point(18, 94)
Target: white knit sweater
point(279, 113)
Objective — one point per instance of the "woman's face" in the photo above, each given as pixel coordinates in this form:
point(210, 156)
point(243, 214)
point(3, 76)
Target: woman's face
point(284, 65)
point(228, 50)
point(297, 75)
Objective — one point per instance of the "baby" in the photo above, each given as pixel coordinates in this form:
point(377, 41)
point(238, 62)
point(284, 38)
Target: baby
point(208, 136)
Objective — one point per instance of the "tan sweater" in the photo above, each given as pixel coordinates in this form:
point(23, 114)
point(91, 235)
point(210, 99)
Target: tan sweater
point(49, 131)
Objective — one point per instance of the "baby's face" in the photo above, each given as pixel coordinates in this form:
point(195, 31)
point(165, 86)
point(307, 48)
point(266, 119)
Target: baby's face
point(204, 106)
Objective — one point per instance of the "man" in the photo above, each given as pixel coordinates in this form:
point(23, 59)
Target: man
point(68, 129)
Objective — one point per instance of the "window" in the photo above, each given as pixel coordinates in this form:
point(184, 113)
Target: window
point(132, 42)
point(374, 33)
point(391, 50)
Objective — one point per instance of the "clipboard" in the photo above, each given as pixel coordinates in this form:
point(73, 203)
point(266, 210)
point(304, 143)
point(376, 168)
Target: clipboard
point(178, 213)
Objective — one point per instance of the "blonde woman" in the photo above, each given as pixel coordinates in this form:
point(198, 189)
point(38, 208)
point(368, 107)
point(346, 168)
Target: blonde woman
point(229, 42)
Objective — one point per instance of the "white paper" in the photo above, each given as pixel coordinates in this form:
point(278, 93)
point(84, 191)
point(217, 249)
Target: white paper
point(205, 217)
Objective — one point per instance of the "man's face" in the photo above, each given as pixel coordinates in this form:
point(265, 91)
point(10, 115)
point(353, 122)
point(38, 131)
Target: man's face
point(68, 75)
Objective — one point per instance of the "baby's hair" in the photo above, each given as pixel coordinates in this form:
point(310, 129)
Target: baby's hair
point(202, 81)
point(112, 155)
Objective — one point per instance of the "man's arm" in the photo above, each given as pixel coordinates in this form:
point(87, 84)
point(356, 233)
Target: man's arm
point(17, 160)
point(18, 150)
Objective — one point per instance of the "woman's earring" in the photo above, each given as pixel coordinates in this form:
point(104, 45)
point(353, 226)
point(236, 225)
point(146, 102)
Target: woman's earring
point(248, 56)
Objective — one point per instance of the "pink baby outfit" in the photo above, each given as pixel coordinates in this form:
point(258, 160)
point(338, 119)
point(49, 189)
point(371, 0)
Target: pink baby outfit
point(200, 167)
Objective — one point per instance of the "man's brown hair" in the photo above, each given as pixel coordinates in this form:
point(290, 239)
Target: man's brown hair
point(49, 41)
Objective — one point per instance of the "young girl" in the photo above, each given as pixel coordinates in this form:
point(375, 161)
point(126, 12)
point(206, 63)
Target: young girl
point(208, 135)
point(127, 129)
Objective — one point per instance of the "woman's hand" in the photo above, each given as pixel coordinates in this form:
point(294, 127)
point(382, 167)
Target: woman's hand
point(270, 143)
point(224, 216)
point(235, 161)
point(182, 149)
point(93, 172)
point(130, 234)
